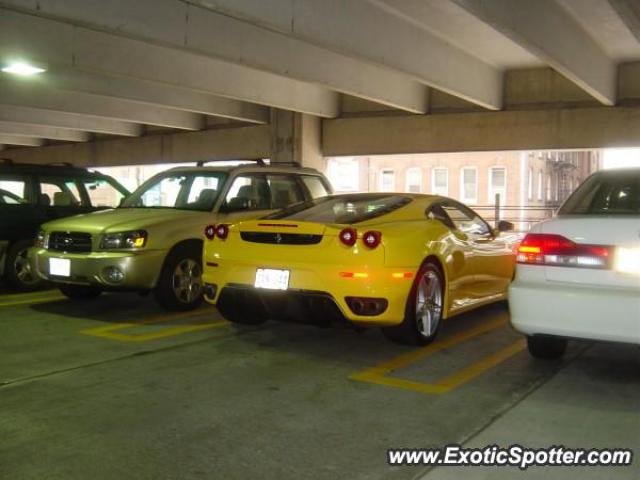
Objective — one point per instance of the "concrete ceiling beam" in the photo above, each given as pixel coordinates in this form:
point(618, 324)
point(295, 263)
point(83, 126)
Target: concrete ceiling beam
point(62, 44)
point(42, 131)
point(153, 93)
point(22, 92)
point(21, 140)
point(549, 32)
point(629, 13)
point(365, 30)
point(69, 121)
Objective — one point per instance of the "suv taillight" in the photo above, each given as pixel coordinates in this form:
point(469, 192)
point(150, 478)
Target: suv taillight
point(558, 251)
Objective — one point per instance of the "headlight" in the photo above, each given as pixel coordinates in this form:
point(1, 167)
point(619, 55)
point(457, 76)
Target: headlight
point(41, 239)
point(120, 240)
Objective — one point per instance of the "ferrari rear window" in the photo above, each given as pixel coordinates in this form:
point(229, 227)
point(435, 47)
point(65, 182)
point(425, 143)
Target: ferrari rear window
point(611, 193)
point(343, 209)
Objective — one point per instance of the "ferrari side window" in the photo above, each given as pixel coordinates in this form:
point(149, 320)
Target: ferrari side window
point(466, 220)
point(436, 212)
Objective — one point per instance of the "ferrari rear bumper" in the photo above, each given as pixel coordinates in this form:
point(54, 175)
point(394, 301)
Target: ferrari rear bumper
point(302, 306)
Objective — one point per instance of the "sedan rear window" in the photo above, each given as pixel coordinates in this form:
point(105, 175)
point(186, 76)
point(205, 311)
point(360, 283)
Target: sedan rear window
point(612, 193)
point(343, 209)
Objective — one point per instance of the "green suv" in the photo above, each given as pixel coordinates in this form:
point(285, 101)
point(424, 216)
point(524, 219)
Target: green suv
point(153, 241)
point(32, 194)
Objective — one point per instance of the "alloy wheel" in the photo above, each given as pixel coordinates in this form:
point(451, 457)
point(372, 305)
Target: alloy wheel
point(22, 268)
point(187, 281)
point(428, 304)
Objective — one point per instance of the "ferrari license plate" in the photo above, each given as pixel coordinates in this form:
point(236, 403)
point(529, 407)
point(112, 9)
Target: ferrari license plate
point(272, 279)
point(60, 267)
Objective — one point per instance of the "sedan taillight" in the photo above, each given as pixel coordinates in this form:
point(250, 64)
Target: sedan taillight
point(558, 251)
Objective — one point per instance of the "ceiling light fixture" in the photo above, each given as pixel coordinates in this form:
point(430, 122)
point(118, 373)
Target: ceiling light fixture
point(23, 69)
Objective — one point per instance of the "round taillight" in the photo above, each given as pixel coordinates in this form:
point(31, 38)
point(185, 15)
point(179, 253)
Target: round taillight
point(371, 238)
point(348, 236)
point(222, 231)
point(210, 232)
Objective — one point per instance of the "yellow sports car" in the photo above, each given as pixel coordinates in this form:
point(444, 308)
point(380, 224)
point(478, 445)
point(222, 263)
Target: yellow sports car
point(402, 262)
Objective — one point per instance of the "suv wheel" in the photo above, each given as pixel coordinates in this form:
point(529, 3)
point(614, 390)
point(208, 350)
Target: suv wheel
point(18, 271)
point(546, 347)
point(180, 285)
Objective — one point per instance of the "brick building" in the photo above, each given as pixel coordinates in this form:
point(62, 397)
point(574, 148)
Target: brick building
point(530, 184)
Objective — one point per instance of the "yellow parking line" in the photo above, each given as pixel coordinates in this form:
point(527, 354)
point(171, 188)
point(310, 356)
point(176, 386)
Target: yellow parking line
point(380, 374)
point(481, 366)
point(32, 301)
point(29, 294)
point(111, 331)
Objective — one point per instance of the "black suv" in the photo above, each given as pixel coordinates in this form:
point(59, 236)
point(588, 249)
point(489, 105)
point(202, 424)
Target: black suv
point(32, 194)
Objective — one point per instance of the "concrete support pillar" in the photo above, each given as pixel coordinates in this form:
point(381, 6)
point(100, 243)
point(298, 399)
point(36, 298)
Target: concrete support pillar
point(296, 137)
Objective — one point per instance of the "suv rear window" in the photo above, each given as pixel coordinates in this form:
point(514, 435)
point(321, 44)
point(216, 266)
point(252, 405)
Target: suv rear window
point(605, 194)
point(343, 209)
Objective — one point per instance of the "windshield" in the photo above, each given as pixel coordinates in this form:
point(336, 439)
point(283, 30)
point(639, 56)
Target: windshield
point(180, 190)
point(612, 193)
point(343, 209)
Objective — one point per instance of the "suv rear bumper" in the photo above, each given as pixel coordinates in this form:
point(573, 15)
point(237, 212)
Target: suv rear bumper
point(141, 269)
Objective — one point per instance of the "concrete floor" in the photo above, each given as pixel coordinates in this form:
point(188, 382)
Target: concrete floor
point(117, 388)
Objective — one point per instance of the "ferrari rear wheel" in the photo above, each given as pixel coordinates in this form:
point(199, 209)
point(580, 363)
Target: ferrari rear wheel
point(423, 313)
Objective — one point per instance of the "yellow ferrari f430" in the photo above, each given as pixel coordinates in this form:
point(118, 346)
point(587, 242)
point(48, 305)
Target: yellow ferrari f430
point(403, 262)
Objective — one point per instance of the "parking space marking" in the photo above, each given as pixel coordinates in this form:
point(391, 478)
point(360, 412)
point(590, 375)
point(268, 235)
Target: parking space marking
point(380, 374)
point(29, 294)
point(112, 332)
point(51, 297)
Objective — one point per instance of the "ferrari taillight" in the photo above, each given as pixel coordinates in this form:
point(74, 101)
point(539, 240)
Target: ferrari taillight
point(222, 231)
point(372, 238)
point(348, 236)
point(558, 251)
point(210, 232)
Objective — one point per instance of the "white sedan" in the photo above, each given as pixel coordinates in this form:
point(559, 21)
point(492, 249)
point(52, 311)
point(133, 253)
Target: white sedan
point(578, 274)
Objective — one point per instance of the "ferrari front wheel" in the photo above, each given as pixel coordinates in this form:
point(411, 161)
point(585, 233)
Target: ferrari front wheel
point(423, 313)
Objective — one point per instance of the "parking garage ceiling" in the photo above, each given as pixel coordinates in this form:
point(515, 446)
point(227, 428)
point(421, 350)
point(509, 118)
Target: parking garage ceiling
point(116, 69)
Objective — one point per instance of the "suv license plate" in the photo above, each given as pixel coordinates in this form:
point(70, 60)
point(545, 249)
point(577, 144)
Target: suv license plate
point(272, 279)
point(60, 267)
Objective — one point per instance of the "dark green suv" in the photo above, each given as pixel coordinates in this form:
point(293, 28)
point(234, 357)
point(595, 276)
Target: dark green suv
point(34, 194)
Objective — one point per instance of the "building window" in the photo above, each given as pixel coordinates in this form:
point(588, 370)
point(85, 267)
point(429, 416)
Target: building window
point(469, 185)
point(530, 189)
point(414, 180)
point(387, 181)
point(440, 181)
point(497, 184)
point(344, 174)
point(548, 187)
point(540, 186)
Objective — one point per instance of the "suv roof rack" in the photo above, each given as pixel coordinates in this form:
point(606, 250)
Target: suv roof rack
point(62, 164)
point(286, 164)
point(259, 161)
